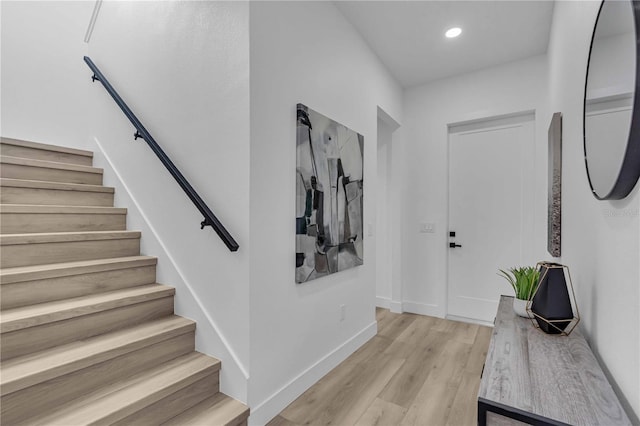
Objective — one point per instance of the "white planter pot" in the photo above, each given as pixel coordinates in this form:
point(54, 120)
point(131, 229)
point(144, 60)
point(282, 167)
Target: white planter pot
point(520, 308)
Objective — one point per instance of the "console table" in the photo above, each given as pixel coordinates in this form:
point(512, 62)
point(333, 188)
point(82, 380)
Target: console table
point(543, 379)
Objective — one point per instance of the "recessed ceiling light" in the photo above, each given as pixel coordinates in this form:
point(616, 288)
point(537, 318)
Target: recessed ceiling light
point(453, 32)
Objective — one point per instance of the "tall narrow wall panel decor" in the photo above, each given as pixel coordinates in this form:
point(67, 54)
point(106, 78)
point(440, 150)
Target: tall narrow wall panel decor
point(329, 179)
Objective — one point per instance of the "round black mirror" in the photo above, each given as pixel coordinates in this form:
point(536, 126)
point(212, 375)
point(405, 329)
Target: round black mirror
point(612, 101)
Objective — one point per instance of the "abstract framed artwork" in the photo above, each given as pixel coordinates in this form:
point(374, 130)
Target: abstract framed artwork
point(554, 191)
point(329, 183)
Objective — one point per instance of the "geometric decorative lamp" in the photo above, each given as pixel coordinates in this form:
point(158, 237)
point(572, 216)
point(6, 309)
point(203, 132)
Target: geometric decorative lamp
point(553, 306)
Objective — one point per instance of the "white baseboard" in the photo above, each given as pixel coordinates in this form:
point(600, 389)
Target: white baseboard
point(396, 307)
point(383, 302)
point(423, 309)
point(272, 406)
point(469, 320)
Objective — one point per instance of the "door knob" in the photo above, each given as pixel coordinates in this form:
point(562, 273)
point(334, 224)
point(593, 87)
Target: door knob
point(454, 245)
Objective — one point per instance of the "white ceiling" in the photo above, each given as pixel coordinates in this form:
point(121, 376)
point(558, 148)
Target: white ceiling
point(408, 36)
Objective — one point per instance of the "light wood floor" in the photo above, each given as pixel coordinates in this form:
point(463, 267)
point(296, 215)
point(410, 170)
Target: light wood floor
point(417, 370)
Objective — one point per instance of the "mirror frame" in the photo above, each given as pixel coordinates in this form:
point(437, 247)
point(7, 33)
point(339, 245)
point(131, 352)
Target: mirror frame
point(630, 168)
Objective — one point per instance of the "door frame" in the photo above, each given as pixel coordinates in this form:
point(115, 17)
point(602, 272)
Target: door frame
point(392, 227)
point(488, 122)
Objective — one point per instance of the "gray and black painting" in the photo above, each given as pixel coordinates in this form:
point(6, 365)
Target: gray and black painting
point(329, 218)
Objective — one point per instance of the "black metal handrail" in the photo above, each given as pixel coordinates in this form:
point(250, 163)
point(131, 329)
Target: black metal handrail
point(209, 218)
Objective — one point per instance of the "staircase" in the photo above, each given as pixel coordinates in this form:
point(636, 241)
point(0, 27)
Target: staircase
point(87, 335)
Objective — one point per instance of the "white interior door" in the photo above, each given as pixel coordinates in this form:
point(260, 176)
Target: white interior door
point(490, 205)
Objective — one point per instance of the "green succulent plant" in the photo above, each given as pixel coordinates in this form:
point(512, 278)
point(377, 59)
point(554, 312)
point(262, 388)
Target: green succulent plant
point(524, 280)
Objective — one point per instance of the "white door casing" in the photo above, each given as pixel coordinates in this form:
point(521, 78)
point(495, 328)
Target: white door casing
point(383, 227)
point(388, 235)
point(490, 209)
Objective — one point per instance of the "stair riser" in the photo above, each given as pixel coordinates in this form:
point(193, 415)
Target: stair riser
point(33, 339)
point(217, 409)
point(26, 223)
point(58, 288)
point(15, 195)
point(18, 171)
point(177, 402)
point(57, 252)
point(42, 154)
point(20, 405)
point(145, 373)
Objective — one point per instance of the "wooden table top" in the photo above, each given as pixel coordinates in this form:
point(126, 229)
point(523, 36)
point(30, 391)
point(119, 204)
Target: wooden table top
point(553, 376)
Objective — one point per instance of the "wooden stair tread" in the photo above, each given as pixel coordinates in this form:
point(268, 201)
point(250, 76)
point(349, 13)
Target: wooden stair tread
point(19, 373)
point(56, 209)
point(217, 410)
point(115, 402)
point(35, 219)
point(46, 147)
point(20, 161)
point(61, 186)
point(36, 272)
point(44, 313)
point(89, 341)
point(51, 237)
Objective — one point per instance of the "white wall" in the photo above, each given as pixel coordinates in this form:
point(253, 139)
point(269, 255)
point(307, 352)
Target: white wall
point(305, 52)
point(183, 69)
point(44, 80)
point(600, 239)
point(515, 87)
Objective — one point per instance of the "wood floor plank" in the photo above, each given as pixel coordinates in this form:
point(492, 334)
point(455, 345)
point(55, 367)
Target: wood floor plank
point(385, 318)
point(371, 384)
point(334, 394)
point(400, 350)
point(397, 326)
point(374, 347)
point(444, 326)
point(417, 331)
point(435, 399)
point(465, 332)
point(404, 387)
point(312, 403)
point(479, 350)
point(417, 370)
point(281, 421)
point(464, 410)
point(382, 413)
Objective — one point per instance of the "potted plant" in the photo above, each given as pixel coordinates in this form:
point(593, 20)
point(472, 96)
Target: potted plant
point(524, 281)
